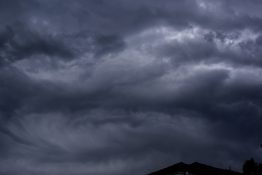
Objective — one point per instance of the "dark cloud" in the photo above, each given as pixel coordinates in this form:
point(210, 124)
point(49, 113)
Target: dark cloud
point(123, 87)
point(19, 43)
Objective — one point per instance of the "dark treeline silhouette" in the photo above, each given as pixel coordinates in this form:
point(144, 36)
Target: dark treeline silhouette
point(250, 167)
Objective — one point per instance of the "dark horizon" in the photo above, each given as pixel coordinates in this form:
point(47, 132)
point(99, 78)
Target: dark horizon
point(195, 168)
point(250, 167)
point(121, 87)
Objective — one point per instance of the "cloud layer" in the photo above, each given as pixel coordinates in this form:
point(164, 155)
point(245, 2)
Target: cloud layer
point(126, 87)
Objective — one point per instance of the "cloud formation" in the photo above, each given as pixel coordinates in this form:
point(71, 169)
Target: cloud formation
point(123, 87)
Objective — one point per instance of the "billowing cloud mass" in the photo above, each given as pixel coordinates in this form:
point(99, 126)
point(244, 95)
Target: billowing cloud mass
point(125, 87)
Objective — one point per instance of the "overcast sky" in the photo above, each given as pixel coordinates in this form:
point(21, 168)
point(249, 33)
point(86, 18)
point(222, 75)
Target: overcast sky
point(124, 87)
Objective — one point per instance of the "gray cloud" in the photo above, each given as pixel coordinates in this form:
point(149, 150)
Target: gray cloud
point(22, 43)
point(123, 87)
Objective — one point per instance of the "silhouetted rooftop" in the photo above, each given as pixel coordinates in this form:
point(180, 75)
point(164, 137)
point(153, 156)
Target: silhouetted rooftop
point(194, 168)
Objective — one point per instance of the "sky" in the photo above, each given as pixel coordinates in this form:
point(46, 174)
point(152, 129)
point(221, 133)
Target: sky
point(123, 87)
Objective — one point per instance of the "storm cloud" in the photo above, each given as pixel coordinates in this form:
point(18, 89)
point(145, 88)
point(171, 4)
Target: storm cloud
point(126, 87)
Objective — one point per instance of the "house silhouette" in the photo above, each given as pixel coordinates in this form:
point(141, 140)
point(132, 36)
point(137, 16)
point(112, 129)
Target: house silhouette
point(193, 169)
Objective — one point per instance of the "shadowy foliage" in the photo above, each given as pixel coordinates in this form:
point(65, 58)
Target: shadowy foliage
point(250, 167)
